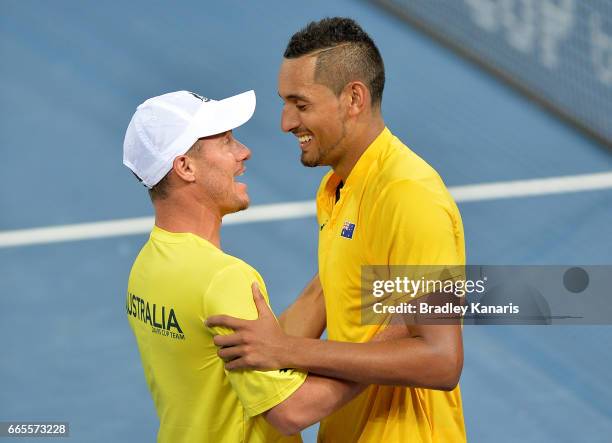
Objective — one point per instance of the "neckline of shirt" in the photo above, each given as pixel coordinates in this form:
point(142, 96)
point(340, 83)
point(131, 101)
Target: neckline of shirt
point(364, 162)
point(162, 235)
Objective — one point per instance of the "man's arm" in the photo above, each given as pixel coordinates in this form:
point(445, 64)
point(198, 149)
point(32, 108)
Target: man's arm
point(306, 316)
point(431, 357)
point(317, 398)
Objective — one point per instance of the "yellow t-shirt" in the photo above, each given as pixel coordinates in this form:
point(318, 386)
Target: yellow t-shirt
point(393, 210)
point(176, 282)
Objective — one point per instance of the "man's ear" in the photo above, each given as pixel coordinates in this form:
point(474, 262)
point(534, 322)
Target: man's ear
point(184, 167)
point(358, 97)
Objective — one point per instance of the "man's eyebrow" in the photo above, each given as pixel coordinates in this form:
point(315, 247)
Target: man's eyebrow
point(293, 97)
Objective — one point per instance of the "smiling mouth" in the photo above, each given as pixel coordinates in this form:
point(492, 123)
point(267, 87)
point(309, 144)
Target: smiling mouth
point(239, 173)
point(304, 140)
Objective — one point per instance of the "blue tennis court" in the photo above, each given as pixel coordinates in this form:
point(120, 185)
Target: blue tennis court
point(71, 76)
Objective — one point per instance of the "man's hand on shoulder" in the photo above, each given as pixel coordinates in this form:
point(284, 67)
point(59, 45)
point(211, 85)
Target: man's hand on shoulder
point(255, 344)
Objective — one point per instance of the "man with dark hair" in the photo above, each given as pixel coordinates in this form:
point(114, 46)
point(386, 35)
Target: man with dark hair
point(380, 205)
point(344, 53)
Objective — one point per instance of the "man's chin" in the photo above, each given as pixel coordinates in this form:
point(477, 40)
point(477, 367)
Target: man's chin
point(242, 204)
point(309, 161)
point(239, 205)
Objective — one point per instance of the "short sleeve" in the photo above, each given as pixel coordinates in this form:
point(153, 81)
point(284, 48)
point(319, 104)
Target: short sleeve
point(415, 226)
point(230, 294)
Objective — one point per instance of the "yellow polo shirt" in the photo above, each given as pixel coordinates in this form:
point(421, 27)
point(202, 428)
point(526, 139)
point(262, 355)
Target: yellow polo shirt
point(176, 282)
point(393, 210)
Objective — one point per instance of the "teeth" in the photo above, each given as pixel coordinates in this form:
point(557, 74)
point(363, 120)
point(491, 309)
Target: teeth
point(304, 138)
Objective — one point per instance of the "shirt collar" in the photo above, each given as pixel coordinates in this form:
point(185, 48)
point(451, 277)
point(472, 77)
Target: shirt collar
point(166, 236)
point(159, 234)
point(362, 166)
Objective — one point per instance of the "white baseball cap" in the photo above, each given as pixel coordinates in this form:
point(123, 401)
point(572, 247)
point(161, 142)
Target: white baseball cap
point(168, 125)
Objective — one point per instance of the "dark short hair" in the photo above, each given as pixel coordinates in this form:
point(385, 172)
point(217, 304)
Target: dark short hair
point(345, 52)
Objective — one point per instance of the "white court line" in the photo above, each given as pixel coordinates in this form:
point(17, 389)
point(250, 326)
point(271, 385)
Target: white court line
point(284, 211)
point(143, 225)
point(532, 187)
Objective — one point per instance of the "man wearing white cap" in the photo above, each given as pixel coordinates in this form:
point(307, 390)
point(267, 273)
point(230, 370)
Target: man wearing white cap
point(181, 146)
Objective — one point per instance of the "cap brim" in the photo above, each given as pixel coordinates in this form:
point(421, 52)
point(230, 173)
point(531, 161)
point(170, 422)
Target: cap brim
point(213, 117)
point(216, 117)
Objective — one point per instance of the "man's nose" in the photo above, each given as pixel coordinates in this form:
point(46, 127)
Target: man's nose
point(241, 152)
point(289, 119)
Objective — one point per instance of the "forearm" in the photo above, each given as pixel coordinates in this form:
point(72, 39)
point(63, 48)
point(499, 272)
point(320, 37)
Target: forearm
point(306, 316)
point(431, 356)
point(317, 398)
point(406, 361)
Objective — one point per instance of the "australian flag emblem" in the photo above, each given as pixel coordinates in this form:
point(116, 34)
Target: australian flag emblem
point(347, 229)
